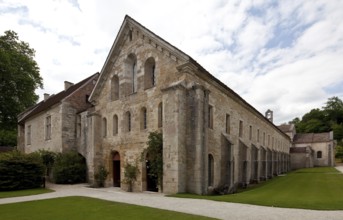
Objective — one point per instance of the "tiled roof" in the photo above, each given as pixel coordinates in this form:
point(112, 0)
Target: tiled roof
point(52, 100)
point(312, 138)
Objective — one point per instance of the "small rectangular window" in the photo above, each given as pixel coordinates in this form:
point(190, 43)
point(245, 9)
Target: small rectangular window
point(258, 135)
point(48, 128)
point(227, 124)
point(29, 135)
point(240, 133)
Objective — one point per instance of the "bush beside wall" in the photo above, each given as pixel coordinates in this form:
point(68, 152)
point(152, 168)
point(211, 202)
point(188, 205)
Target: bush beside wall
point(20, 171)
point(69, 168)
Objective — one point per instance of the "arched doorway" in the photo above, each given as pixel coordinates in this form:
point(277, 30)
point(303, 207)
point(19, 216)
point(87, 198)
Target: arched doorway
point(116, 169)
point(151, 179)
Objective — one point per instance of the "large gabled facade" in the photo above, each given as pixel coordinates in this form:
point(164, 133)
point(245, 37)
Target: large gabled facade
point(211, 136)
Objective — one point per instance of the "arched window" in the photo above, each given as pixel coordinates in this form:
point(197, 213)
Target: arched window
point(210, 170)
point(104, 127)
point(114, 88)
point(160, 115)
point(128, 121)
point(115, 125)
point(319, 154)
point(131, 74)
point(143, 118)
point(149, 73)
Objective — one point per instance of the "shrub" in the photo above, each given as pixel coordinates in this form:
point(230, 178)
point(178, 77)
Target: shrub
point(69, 167)
point(100, 176)
point(20, 171)
point(130, 173)
point(48, 158)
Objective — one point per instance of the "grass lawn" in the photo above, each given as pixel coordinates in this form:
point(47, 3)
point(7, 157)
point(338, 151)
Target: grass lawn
point(84, 208)
point(26, 192)
point(312, 188)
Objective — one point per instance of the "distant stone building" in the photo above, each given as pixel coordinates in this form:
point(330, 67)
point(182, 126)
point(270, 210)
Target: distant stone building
point(53, 123)
point(211, 136)
point(310, 149)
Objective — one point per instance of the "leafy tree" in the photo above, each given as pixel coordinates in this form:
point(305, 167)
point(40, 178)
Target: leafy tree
point(19, 78)
point(334, 110)
point(329, 118)
point(154, 151)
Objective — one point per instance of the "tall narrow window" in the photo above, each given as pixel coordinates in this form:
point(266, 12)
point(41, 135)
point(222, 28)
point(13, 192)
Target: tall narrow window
point(258, 135)
point(130, 35)
point(131, 84)
point(319, 154)
point(143, 118)
point(227, 122)
point(149, 73)
point(115, 88)
point(78, 126)
point(210, 117)
point(28, 138)
point(128, 121)
point(115, 125)
point(48, 128)
point(210, 170)
point(134, 78)
point(104, 127)
point(250, 132)
point(264, 138)
point(240, 132)
point(160, 115)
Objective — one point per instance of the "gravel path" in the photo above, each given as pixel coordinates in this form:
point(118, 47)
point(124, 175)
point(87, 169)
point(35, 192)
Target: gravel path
point(221, 210)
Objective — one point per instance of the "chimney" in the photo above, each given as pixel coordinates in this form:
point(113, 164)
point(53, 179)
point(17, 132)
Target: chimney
point(269, 115)
point(67, 85)
point(46, 96)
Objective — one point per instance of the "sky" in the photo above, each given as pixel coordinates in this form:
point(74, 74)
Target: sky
point(286, 56)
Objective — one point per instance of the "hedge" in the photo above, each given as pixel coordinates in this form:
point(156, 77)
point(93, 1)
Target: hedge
point(20, 171)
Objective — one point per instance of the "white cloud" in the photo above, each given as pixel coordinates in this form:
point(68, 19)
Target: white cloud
point(282, 55)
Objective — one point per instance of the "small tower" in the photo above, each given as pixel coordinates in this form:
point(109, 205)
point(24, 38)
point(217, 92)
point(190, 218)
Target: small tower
point(269, 115)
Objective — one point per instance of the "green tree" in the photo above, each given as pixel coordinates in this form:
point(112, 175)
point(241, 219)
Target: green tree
point(334, 110)
point(19, 78)
point(329, 118)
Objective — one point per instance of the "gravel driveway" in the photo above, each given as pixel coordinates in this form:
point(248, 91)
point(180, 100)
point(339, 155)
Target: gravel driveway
point(221, 210)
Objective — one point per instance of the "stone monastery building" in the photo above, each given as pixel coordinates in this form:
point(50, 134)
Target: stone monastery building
point(211, 136)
